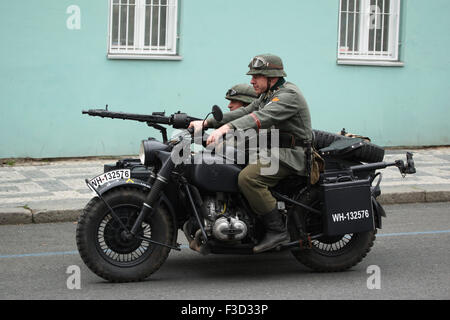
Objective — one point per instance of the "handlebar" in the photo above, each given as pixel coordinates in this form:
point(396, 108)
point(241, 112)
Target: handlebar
point(190, 130)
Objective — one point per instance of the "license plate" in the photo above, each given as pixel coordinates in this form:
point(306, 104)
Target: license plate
point(110, 176)
point(348, 207)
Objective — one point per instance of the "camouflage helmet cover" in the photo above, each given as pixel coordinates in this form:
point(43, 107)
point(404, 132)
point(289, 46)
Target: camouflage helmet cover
point(242, 92)
point(268, 65)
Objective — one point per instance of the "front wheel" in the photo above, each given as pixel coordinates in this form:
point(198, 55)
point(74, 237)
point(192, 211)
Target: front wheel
point(103, 246)
point(338, 253)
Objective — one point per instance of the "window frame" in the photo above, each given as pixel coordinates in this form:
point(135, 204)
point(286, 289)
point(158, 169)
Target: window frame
point(364, 56)
point(139, 50)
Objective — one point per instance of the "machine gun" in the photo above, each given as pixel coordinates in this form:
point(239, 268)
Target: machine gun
point(177, 120)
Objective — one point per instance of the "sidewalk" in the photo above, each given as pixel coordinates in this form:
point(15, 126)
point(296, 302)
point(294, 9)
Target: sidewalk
point(55, 191)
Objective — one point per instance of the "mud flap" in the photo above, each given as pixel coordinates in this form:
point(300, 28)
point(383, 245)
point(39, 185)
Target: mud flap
point(378, 211)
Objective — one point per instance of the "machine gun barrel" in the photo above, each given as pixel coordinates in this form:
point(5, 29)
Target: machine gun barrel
point(129, 116)
point(177, 120)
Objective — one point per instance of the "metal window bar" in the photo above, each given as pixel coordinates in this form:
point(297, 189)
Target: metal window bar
point(382, 26)
point(150, 26)
point(110, 27)
point(346, 26)
point(368, 29)
point(119, 20)
point(354, 23)
point(150, 22)
point(159, 24)
point(166, 30)
point(126, 29)
point(375, 28)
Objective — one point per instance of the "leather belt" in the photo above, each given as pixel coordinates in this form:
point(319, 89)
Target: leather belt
point(287, 140)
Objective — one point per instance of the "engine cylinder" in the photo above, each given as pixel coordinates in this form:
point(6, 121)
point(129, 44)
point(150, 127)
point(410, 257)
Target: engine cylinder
point(229, 229)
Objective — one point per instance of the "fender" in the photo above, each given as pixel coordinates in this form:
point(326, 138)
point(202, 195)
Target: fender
point(132, 183)
point(141, 185)
point(378, 211)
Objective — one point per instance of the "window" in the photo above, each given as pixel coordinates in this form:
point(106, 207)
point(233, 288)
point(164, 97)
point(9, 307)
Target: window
point(369, 32)
point(143, 29)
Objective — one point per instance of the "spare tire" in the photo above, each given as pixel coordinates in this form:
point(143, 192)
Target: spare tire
point(323, 139)
point(367, 152)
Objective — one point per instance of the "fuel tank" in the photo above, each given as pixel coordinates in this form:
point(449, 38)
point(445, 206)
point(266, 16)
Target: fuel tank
point(213, 174)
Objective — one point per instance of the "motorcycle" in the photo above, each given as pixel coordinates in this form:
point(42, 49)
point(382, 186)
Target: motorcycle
point(127, 230)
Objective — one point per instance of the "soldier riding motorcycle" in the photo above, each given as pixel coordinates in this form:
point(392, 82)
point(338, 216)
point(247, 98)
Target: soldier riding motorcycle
point(327, 219)
point(127, 230)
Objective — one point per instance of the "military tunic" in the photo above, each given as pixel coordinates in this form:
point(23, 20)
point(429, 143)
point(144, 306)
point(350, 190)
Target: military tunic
point(283, 108)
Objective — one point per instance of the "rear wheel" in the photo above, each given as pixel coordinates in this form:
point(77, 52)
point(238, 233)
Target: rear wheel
point(105, 249)
point(328, 253)
point(331, 254)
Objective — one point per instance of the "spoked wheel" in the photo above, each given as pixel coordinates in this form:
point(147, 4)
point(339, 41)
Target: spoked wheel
point(109, 251)
point(330, 254)
point(113, 243)
point(331, 246)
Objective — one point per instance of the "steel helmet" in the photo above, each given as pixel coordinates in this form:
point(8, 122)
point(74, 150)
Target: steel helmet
point(268, 65)
point(242, 92)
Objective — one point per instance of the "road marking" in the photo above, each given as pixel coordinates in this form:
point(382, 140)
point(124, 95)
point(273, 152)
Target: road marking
point(60, 253)
point(411, 233)
point(42, 254)
point(46, 254)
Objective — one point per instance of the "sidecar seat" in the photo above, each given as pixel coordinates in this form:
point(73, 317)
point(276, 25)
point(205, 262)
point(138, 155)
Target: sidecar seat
point(340, 147)
point(355, 149)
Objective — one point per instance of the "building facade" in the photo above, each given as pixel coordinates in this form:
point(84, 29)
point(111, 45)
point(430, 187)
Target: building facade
point(379, 68)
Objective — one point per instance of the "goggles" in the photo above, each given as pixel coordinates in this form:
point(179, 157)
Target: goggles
point(231, 92)
point(260, 63)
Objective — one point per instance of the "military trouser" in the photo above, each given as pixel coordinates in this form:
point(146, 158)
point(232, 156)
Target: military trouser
point(255, 186)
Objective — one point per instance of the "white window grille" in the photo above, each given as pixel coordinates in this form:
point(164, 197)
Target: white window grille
point(368, 31)
point(143, 29)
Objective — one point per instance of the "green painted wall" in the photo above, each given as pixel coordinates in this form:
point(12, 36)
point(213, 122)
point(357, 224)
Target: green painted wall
point(50, 73)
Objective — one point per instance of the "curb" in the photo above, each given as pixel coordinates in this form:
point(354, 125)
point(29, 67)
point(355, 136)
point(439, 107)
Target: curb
point(19, 215)
point(63, 215)
point(416, 197)
point(15, 216)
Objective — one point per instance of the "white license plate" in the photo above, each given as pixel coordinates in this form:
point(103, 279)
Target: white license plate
point(110, 176)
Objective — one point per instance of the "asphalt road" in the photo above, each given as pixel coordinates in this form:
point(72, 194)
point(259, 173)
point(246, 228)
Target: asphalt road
point(411, 253)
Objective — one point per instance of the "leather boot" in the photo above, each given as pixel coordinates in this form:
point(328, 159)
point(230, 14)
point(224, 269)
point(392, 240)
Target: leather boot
point(276, 232)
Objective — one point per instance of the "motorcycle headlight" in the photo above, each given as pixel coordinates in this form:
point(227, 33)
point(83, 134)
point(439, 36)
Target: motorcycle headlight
point(142, 152)
point(148, 151)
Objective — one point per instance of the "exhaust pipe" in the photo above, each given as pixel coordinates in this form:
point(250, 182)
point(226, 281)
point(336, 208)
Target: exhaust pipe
point(195, 243)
